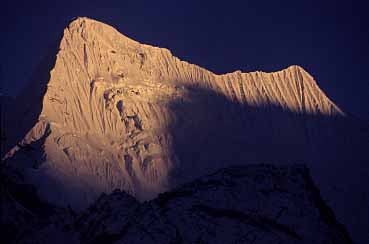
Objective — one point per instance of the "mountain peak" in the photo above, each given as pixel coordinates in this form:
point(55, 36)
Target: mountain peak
point(117, 114)
point(108, 91)
point(85, 23)
point(81, 23)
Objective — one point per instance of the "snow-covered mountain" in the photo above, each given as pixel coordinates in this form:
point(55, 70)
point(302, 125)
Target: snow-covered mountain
point(105, 112)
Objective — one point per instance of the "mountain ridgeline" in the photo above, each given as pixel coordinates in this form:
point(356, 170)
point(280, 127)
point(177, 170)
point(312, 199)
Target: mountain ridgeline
point(106, 112)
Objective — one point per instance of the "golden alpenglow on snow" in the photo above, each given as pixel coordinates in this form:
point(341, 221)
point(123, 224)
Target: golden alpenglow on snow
point(115, 113)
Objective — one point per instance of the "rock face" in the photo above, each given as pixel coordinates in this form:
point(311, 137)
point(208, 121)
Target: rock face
point(111, 113)
point(243, 204)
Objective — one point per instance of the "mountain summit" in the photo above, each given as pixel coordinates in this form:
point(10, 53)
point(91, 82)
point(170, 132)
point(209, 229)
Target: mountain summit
point(113, 113)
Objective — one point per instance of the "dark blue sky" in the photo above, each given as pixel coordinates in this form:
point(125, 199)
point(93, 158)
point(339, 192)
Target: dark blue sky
point(330, 39)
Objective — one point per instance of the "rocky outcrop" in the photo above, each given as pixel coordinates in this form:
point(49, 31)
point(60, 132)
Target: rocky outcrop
point(117, 114)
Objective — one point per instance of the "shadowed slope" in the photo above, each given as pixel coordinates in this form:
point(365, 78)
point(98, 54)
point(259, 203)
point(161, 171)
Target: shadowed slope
point(211, 131)
point(255, 203)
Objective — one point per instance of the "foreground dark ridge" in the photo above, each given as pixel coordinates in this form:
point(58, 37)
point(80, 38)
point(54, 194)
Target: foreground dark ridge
point(257, 203)
point(114, 113)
